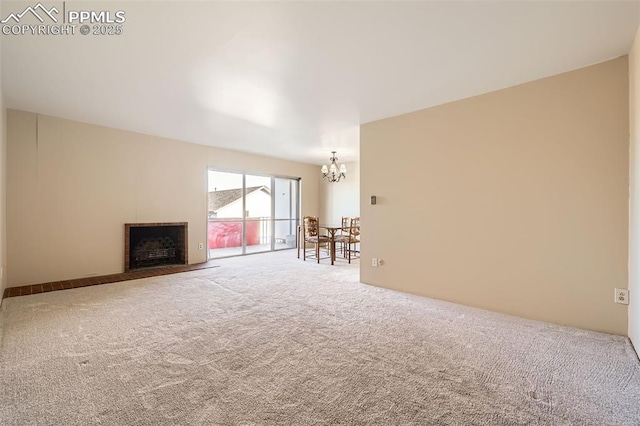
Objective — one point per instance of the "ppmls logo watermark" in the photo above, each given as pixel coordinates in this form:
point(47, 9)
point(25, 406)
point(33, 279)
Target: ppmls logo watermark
point(59, 20)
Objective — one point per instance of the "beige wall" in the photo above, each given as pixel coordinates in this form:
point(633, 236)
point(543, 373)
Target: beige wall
point(634, 193)
point(340, 198)
point(514, 201)
point(3, 192)
point(71, 186)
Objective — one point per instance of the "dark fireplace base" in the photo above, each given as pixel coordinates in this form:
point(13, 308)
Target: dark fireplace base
point(148, 245)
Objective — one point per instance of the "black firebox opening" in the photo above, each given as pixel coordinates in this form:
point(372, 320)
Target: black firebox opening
point(156, 246)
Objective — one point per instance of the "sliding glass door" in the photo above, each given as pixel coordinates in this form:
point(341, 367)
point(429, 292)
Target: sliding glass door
point(251, 213)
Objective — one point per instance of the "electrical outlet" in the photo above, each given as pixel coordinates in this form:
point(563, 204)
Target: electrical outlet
point(374, 262)
point(380, 262)
point(201, 246)
point(621, 296)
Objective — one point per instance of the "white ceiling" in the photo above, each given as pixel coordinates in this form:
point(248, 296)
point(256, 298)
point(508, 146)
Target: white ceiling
point(296, 79)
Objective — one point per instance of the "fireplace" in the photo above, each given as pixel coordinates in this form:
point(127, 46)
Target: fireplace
point(149, 245)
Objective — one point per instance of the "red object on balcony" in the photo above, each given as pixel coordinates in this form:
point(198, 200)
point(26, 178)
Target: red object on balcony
point(229, 234)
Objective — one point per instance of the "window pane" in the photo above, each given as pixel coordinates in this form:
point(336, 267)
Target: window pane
point(285, 233)
point(258, 213)
point(285, 197)
point(225, 226)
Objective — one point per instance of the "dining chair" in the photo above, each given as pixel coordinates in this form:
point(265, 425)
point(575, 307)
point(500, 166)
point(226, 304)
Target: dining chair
point(353, 239)
point(342, 237)
point(312, 235)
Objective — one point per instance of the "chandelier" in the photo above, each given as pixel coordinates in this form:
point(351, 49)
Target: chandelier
point(334, 173)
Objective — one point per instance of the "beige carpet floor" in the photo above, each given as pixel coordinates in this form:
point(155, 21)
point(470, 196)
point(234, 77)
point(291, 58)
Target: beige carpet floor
point(271, 340)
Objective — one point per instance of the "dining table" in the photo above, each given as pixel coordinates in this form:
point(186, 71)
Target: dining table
point(331, 231)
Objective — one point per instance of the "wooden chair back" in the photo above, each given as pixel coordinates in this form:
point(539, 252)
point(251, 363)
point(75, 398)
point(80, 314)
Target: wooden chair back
point(346, 222)
point(311, 226)
point(354, 228)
